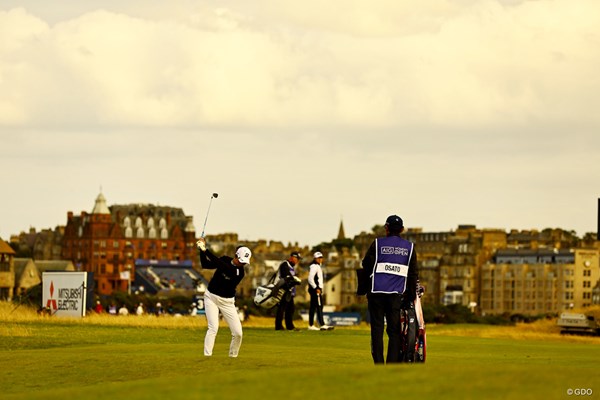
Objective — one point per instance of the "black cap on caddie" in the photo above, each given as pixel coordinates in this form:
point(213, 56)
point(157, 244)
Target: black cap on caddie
point(394, 221)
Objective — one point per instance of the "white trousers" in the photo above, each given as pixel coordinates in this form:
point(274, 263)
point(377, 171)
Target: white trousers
point(212, 305)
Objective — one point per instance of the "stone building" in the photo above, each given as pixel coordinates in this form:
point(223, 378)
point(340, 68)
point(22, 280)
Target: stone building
point(26, 275)
point(539, 281)
point(339, 270)
point(449, 262)
point(43, 245)
point(7, 271)
point(112, 241)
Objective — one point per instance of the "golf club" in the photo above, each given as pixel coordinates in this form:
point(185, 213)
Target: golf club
point(214, 196)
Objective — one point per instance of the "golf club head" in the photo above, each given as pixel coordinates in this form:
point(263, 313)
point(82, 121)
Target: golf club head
point(215, 195)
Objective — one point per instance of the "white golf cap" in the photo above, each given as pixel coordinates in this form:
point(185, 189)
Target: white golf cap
point(243, 254)
point(318, 254)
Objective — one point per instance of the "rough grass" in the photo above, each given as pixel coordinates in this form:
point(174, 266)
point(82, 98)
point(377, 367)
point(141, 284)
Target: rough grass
point(108, 357)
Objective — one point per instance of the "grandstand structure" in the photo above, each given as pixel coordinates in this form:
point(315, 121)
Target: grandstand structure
point(163, 276)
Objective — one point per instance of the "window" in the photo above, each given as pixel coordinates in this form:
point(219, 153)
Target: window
point(4, 266)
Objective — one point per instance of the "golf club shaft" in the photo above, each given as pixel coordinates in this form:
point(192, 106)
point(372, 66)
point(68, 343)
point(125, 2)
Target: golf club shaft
point(206, 218)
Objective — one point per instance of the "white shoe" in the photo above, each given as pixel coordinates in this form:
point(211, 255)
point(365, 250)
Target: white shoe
point(313, 328)
point(326, 328)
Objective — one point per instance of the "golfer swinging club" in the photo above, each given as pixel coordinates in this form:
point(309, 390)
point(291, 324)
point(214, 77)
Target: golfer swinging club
point(220, 295)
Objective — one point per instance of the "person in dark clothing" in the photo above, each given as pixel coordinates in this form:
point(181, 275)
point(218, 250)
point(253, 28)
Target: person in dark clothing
point(389, 277)
point(220, 294)
point(286, 307)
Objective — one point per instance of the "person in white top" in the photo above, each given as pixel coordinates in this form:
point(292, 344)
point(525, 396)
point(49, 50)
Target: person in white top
point(315, 289)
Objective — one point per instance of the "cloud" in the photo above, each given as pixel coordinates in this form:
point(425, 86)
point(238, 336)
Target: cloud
point(471, 63)
point(469, 111)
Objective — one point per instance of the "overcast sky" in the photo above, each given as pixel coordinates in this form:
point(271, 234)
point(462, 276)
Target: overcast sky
point(301, 114)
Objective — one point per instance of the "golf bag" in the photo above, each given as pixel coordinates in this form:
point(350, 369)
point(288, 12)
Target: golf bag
point(269, 295)
point(412, 325)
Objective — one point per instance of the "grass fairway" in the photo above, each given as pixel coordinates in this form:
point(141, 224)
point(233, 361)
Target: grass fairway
point(161, 358)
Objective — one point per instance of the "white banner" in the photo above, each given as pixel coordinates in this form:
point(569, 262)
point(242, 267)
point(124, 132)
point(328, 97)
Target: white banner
point(64, 293)
point(391, 268)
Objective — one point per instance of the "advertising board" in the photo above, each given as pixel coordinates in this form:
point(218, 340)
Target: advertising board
point(64, 293)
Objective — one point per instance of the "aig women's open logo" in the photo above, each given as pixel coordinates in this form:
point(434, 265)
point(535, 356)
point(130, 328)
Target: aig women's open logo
point(394, 250)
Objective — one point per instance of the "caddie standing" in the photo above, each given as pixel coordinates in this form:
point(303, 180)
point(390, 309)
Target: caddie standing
point(389, 276)
point(220, 294)
point(286, 307)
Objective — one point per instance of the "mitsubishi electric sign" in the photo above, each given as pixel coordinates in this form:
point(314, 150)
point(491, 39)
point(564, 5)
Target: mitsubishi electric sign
point(64, 293)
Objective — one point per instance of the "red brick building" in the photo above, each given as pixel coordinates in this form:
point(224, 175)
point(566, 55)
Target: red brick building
point(111, 241)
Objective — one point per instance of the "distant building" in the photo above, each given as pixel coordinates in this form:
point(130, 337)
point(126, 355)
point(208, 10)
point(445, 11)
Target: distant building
point(26, 275)
point(109, 240)
point(339, 270)
point(341, 233)
point(7, 271)
point(43, 245)
point(460, 267)
point(53, 266)
point(533, 282)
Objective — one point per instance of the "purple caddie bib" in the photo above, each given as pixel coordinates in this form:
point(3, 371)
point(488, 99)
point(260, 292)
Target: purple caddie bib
point(391, 265)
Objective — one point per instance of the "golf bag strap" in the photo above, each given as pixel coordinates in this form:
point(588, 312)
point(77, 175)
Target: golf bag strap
point(272, 278)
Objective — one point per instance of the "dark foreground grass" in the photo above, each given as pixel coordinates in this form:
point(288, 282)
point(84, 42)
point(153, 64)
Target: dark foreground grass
point(51, 360)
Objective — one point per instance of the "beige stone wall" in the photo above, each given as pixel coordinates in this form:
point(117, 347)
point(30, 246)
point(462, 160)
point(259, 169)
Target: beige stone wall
point(533, 289)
